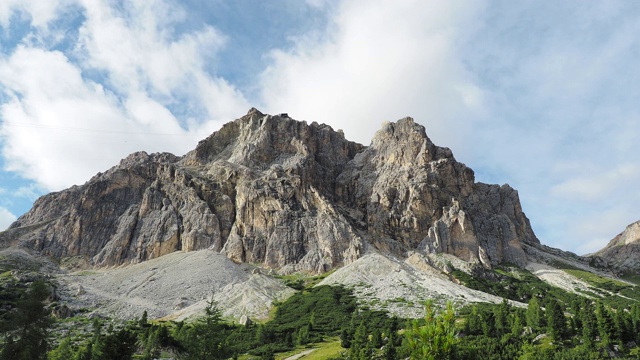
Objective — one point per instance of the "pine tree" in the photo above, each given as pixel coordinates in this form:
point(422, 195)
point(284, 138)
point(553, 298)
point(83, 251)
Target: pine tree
point(205, 338)
point(436, 339)
point(635, 321)
point(345, 339)
point(144, 322)
point(606, 326)
point(390, 352)
point(151, 346)
point(556, 321)
point(359, 342)
point(501, 316)
point(488, 323)
point(589, 324)
point(376, 339)
point(63, 351)
point(28, 326)
point(623, 326)
point(534, 314)
point(517, 324)
point(303, 335)
point(473, 324)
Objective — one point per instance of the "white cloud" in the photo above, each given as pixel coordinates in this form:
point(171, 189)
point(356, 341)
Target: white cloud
point(598, 185)
point(61, 127)
point(40, 12)
point(30, 192)
point(6, 218)
point(385, 60)
point(540, 95)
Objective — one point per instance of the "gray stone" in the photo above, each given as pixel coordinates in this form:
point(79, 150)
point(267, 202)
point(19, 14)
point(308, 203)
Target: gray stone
point(286, 195)
point(622, 252)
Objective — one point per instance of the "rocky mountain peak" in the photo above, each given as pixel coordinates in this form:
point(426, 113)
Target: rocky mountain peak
point(623, 251)
point(287, 194)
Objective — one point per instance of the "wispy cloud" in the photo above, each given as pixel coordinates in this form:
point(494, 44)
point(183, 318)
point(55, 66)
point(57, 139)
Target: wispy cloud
point(40, 12)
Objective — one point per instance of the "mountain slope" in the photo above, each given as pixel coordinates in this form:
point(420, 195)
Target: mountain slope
point(288, 195)
point(623, 251)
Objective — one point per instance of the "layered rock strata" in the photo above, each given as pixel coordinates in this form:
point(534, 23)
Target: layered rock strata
point(284, 194)
point(623, 251)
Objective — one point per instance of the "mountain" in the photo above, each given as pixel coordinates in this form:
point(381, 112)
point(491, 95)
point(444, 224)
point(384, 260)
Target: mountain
point(290, 224)
point(286, 195)
point(623, 251)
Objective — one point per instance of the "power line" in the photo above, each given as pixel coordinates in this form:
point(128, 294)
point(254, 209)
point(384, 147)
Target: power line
point(99, 131)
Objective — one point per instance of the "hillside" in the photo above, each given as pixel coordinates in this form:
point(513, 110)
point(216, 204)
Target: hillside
point(268, 210)
point(623, 251)
point(282, 193)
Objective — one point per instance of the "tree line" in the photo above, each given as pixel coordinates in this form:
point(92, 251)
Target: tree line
point(548, 328)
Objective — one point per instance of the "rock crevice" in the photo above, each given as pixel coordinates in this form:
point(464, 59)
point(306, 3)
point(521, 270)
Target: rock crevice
point(285, 194)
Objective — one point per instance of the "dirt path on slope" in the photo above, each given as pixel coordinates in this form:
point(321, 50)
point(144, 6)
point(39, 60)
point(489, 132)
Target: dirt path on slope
point(302, 354)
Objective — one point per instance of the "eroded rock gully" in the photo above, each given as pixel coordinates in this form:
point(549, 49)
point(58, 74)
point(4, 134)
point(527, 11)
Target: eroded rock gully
point(285, 194)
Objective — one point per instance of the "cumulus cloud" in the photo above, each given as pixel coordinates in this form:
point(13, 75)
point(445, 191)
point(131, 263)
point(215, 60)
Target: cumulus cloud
point(69, 115)
point(40, 12)
point(540, 95)
point(6, 218)
point(382, 61)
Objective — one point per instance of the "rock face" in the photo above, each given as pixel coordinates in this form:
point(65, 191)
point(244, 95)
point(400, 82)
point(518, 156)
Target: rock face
point(285, 194)
point(623, 251)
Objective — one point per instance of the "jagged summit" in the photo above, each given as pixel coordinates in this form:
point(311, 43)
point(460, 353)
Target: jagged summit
point(285, 194)
point(623, 251)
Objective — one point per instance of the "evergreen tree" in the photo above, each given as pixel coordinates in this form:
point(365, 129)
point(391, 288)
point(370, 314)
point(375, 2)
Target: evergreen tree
point(390, 352)
point(28, 326)
point(501, 317)
point(120, 345)
point(303, 336)
point(606, 326)
point(151, 346)
point(589, 324)
point(84, 352)
point(63, 351)
point(144, 321)
point(624, 326)
point(436, 339)
point(473, 324)
point(488, 323)
point(517, 324)
point(359, 342)
point(205, 338)
point(345, 339)
point(556, 321)
point(376, 339)
point(262, 335)
point(534, 314)
point(635, 321)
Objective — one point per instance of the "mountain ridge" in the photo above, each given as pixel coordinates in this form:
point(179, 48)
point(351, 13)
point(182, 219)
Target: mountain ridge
point(286, 194)
point(623, 251)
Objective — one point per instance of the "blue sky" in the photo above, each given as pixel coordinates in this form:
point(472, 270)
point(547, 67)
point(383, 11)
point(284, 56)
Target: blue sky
point(540, 95)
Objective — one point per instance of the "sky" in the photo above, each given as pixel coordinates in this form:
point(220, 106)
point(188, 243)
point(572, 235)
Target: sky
point(544, 96)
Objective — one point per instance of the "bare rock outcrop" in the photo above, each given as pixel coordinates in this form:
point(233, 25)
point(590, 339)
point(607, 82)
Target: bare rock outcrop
point(623, 251)
point(409, 193)
point(286, 194)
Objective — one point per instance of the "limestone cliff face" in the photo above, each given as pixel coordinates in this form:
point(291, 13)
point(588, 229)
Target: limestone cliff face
point(623, 251)
point(285, 194)
point(412, 194)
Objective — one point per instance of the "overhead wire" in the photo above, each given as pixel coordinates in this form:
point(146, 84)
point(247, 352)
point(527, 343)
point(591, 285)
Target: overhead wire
point(80, 129)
